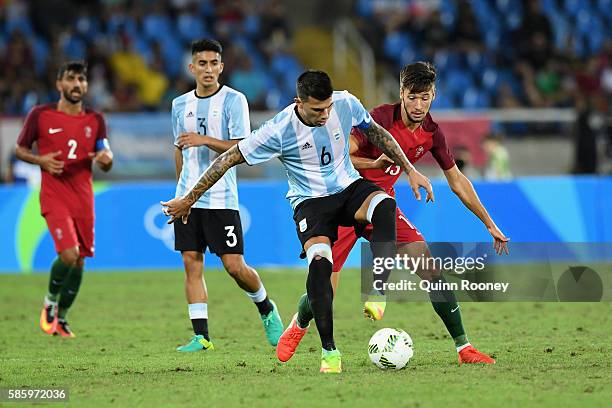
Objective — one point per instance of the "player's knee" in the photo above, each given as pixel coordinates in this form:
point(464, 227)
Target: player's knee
point(80, 263)
point(319, 251)
point(382, 207)
point(70, 256)
point(234, 266)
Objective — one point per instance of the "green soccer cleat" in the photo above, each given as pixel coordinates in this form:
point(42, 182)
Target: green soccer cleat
point(331, 361)
point(273, 325)
point(197, 343)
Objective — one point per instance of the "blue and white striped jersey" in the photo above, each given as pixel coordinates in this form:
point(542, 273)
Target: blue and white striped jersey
point(316, 158)
point(223, 115)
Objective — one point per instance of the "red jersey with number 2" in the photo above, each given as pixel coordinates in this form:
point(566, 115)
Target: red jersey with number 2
point(426, 138)
point(75, 136)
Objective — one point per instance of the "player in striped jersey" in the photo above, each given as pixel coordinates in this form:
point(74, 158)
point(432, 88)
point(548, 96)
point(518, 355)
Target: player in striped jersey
point(206, 122)
point(310, 137)
point(411, 124)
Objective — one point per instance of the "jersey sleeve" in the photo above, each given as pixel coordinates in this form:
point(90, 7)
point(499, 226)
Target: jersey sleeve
point(361, 117)
point(441, 151)
point(239, 125)
point(262, 145)
point(175, 125)
point(29, 131)
point(102, 136)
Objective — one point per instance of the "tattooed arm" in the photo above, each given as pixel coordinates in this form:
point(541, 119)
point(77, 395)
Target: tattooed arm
point(180, 207)
point(380, 137)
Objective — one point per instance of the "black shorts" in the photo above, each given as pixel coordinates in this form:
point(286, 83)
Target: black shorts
point(219, 230)
point(322, 216)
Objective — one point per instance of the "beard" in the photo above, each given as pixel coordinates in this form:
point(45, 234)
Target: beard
point(68, 96)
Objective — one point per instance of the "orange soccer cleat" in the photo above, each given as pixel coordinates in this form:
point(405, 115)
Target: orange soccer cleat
point(48, 318)
point(63, 329)
point(469, 355)
point(289, 340)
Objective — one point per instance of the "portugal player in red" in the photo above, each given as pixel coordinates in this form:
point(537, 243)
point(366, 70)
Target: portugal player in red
point(416, 132)
point(68, 138)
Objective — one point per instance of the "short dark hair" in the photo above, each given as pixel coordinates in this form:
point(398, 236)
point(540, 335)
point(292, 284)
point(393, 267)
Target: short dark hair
point(206, 44)
point(78, 67)
point(314, 83)
point(417, 77)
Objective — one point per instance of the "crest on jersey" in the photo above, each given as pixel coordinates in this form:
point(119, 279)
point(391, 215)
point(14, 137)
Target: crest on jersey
point(87, 132)
point(336, 134)
point(216, 112)
point(419, 151)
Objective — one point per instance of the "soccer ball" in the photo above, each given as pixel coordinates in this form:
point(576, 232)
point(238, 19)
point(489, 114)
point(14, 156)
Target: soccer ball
point(390, 349)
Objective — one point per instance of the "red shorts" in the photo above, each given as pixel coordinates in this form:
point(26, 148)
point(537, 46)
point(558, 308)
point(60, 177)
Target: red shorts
point(406, 233)
point(68, 232)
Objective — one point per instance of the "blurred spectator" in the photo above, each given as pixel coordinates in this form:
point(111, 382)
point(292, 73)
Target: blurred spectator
point(498, 165)
point(20, 172)
point(250, 81)
point(463, 160)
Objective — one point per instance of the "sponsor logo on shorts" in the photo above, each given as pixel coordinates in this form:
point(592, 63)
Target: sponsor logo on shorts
point(303, 225)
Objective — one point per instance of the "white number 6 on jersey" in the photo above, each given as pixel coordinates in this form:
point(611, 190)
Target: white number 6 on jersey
point(233, 239)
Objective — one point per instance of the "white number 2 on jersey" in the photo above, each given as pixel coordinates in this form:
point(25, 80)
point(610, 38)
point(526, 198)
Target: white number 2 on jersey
point(73, 146)
point(233, 239)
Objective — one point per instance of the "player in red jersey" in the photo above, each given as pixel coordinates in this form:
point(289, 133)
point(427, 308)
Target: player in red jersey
point(412, 126)
point(68, 138)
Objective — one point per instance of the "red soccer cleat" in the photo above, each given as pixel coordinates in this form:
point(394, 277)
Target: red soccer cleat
point(64, 330)
point(289, 340)
point(470, 355)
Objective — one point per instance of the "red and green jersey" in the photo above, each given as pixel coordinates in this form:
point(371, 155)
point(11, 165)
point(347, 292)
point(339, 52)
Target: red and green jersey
point(426, 138)
point(75, 136)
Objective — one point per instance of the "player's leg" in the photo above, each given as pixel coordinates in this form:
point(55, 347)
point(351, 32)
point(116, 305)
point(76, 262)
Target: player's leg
point(223, 231)
point(321, 295)
point(443, 301)
point(248, 280)
point(189, 239)
point(66, 245)
point(378, 209)
point(340, 252)
point(84, 228)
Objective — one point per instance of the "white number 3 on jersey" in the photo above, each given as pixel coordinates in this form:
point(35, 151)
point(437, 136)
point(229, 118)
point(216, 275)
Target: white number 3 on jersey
point(233, 239)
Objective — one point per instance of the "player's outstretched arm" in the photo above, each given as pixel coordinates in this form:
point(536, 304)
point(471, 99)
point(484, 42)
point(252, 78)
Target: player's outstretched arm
point(464, 189)
point(180, 207)
point(191, 139)
point(380, 137)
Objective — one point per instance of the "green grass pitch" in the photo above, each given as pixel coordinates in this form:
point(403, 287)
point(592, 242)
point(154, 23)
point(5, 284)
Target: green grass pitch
point(128, 325)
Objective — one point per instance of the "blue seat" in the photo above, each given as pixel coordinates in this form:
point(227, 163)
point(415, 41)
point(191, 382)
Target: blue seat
point(442, 101)
point(588, 23)
point(87, 27)
point(395, 43)
point(172, 52)
point(157, 26)
point(457, 81)
point(447, 61)
point(573, 7)
point(41, 50)
point(74, 48)
point(548, 6)
point(190, 27)
point(21, 24)
point(474, 98)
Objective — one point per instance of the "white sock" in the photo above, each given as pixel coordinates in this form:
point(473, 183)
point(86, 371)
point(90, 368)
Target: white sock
point(198, 310)
point(464, 346)
point(49, 302)
point(258, 296)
